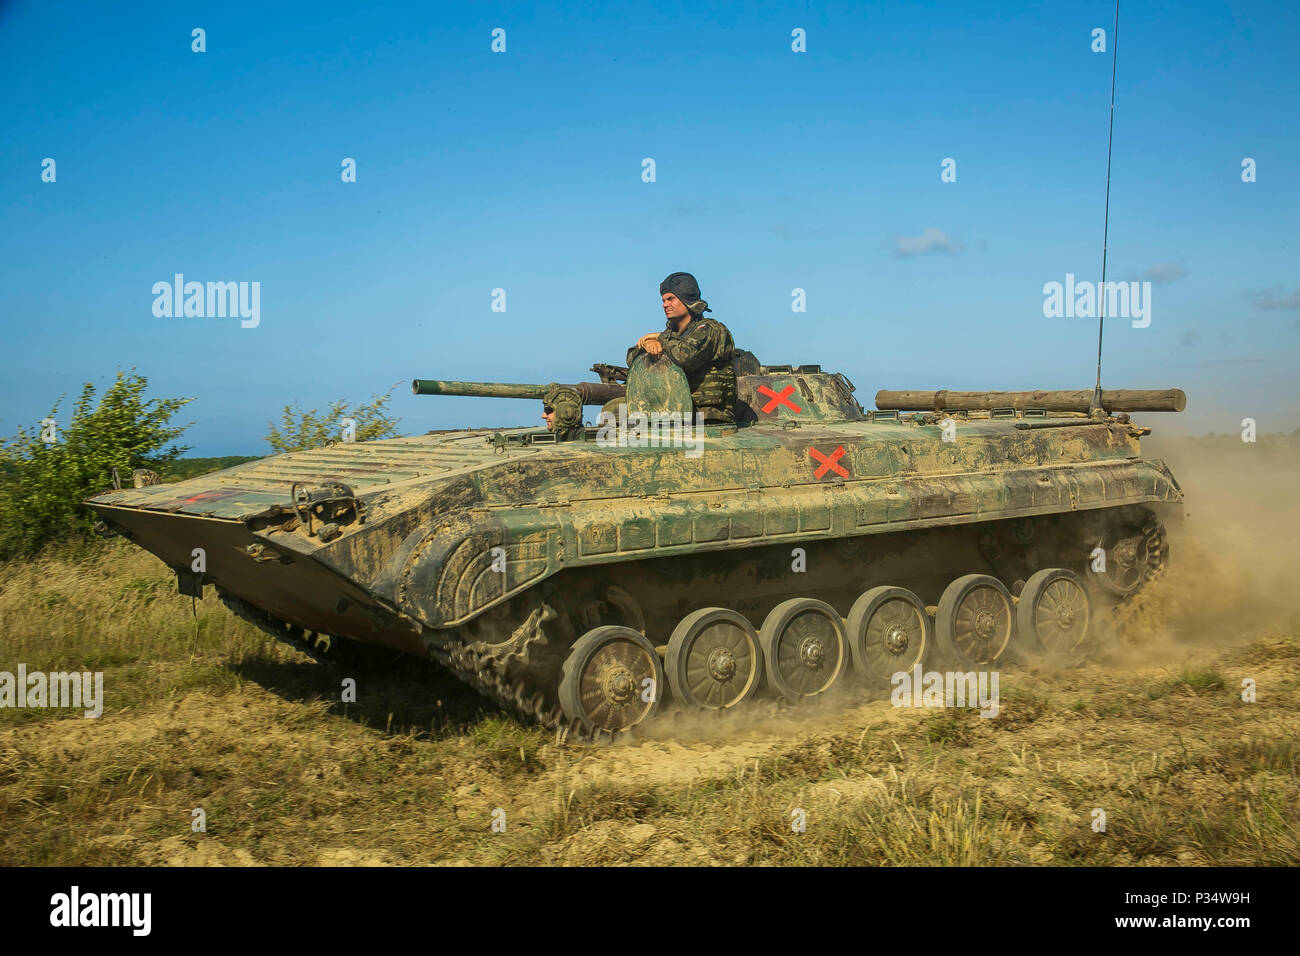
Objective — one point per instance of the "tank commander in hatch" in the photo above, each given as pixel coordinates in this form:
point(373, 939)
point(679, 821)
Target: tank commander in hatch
point(562, 412)
point(701, 347)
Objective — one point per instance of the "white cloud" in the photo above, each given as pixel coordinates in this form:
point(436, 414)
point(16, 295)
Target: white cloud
point(1267, 303)
point(932, 240)
point(1163, 272)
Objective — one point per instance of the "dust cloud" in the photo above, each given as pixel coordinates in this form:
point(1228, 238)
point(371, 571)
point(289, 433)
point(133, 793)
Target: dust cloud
point(1232, 565)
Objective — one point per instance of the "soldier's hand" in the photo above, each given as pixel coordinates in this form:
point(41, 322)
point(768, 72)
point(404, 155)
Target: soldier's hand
point(649, 343)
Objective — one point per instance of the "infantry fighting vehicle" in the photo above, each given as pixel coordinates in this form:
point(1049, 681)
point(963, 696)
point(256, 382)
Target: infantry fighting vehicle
point(584, 582)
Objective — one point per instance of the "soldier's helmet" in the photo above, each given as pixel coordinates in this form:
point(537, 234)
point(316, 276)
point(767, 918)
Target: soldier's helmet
point(684, 286)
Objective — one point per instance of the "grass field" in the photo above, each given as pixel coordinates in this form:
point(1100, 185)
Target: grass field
point(203, 711)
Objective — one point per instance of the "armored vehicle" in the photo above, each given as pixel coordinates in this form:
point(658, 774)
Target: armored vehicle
point(583, 583)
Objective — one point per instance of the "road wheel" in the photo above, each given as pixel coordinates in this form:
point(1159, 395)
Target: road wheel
point(805, 648)
point(612, 679)
point(1054, 615)
point(1132, 553)
point(713, 660)
point(976, 622)
point(889, 631)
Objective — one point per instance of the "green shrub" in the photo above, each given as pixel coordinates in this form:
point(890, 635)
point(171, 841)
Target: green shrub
point(43, 483)
point(299, 430)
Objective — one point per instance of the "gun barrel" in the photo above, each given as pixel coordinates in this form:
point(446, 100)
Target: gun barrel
point(1112, 400)
point(592, 393)
point(438, 386)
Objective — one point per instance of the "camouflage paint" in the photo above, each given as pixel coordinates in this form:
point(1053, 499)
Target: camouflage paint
point(418, 517)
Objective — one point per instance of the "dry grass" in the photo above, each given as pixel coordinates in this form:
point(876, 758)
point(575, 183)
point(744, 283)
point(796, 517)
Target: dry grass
point(203, 712)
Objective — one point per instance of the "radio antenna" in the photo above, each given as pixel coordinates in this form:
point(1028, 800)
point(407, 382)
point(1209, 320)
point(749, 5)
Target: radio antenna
point(1105, 232)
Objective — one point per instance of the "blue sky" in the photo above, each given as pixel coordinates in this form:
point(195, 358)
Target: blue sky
point(522, 170)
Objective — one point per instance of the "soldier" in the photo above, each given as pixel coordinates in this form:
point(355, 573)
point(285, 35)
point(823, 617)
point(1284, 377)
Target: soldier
point(701, 347)
point(562, 412)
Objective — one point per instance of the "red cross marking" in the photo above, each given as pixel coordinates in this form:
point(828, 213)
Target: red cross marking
point(202, 496)
point(828, 462)
point(782, 399)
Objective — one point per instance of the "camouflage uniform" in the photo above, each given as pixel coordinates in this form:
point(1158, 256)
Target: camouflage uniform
point(704, 351)
point(567, 404)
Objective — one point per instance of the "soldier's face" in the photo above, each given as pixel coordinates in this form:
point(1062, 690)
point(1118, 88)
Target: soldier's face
point(674, 308)
point(548, 416)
